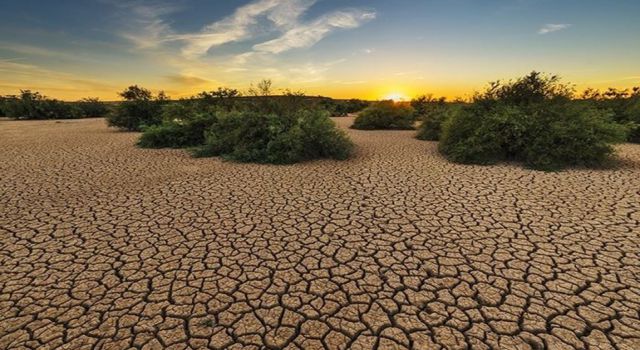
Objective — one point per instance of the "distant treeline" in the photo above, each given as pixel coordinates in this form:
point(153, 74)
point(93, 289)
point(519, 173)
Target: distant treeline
point(141, 108)
point(33, 105)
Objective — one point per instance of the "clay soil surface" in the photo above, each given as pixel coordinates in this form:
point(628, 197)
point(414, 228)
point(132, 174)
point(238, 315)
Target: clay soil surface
point(107, 246)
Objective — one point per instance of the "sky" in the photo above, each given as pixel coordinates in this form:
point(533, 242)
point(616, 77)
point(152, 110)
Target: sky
point(338, 48)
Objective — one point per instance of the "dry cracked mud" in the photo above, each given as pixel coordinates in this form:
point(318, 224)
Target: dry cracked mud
point(107, 246)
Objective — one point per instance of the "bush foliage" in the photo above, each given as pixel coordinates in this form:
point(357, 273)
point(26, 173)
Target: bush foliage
point(263, 129)
point(182, 126)
point(623, 104)
point(33, 105)
point(91, 107)
point(385, 115)
point(139, 109)
point(431, 112)
point(532, 120)
point(432, 121)
point(252, 136)
point(341, 108)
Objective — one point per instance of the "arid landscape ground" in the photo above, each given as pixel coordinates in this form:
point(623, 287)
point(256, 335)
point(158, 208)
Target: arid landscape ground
point(104, 245)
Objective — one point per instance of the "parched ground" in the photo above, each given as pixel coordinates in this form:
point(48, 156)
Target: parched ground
point(107, 246)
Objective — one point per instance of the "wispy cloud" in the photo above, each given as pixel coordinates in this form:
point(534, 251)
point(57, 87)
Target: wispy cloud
point(259, 18)
point(550, 28)
point(144, 22)
point(310, 72)
point(352, 82)
point(307, 34)
point(187, 80)
point(260, 31)
point(242, 24)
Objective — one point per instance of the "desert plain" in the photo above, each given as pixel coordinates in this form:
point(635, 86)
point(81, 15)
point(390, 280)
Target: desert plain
point(104, 245)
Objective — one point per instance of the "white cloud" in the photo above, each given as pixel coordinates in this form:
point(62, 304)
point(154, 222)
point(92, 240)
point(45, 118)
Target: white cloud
point(310, 72)
point(352, 82)
point(307, 34)
point(235, 69)
point(242, 58)
point(282, 14)
point(550, 28)
point(282, 18)
point(145, 25)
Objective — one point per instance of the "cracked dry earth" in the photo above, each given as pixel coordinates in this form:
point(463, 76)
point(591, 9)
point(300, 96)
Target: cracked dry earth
point(107, 246)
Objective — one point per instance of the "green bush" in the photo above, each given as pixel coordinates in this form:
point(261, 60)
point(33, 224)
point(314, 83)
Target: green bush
point(425, 104)
point(182, 127)
point(250, 136)
point(531, 120)
point(631, 116)
point(572, 136)
point(345, 107)
point(91, 107)
point(475, 135)
point(432, 121)
point(3, 101)
point(139, 109)
point(385, 115)
point(226, 98)
point(33, 105)
point(261, 128)
point(624, 105)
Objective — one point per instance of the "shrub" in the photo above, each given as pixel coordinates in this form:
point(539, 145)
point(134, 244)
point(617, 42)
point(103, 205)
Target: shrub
point(139, 109)
point(385, 115)
point(33, 105)
point(631, 116)
point(3, 102)
point(475, 135)
point(222, 97)
point(624, 105)
point(432, 121)
point(181, 127)
point(572, 135)
point(91, 107)
point(250, 136)
point(174, 134)
point(530, 90)
point(530, 120)
point(341, 108)
point(354, 105)
point(424, 104)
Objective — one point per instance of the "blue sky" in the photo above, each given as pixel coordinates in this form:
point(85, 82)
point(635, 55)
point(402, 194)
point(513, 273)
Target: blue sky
point(350, 48)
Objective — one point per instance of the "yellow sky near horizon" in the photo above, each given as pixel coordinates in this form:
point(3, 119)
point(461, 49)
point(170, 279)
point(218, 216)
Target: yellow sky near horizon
point(376, 90)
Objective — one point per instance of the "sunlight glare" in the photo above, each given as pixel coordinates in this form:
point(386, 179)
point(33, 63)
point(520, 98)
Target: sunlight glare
point(396, 97)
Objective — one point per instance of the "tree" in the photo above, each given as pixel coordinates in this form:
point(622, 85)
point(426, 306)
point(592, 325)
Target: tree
point(139, 109)
point(263, 88)
point(223, 96)
point(423, 104)
point(136, 93)
point(91, 107)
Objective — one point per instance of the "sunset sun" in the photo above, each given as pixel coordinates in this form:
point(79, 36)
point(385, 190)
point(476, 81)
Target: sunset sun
point(396, 97)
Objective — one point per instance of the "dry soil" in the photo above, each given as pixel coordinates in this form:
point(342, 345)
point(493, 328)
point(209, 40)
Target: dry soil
point(104, 245)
